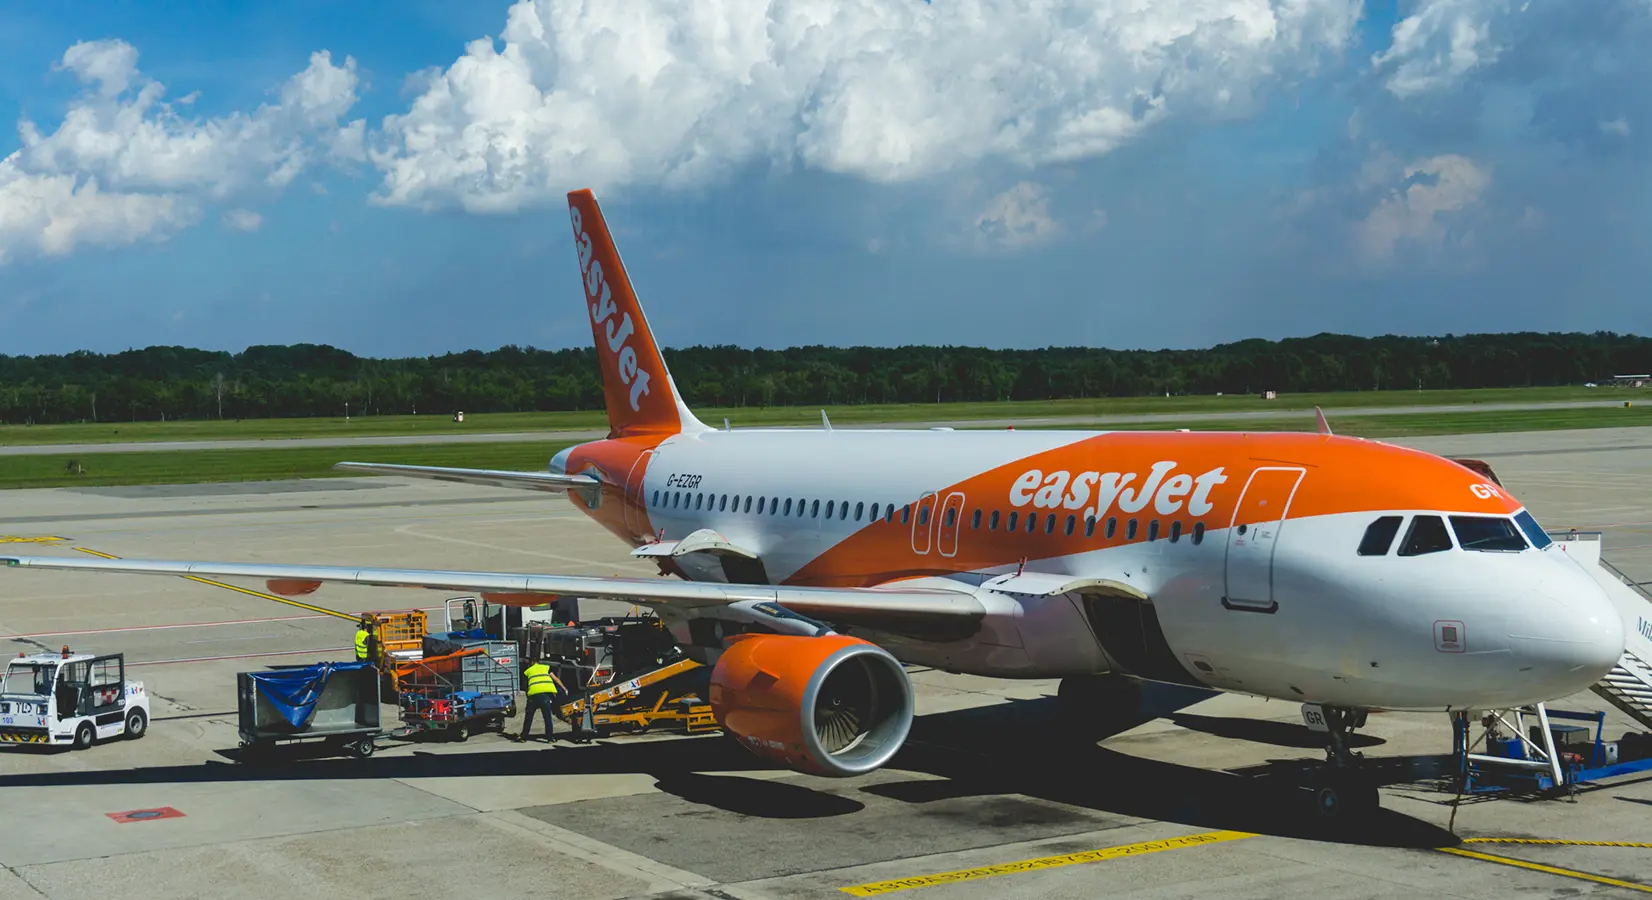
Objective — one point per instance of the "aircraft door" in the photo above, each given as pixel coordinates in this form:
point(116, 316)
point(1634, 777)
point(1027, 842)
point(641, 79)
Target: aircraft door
point(1253, 537)
point(951, 516)
point(923, 524)
point(635, 502)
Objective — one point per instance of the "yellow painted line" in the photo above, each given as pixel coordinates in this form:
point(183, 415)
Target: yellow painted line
point(1642, 845)
point(241, 590)
point(878, 888)
point(42, 539)
point(1552, 870)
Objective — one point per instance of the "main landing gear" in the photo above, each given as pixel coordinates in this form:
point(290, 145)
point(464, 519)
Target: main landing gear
point(1343, 791)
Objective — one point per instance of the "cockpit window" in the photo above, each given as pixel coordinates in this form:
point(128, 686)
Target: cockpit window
point(1379, 536)
point(1487, 533)
point(1534, 532)
point(1427, 535)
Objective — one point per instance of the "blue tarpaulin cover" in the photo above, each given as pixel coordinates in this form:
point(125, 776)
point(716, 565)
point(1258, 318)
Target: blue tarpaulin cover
point(294, 692)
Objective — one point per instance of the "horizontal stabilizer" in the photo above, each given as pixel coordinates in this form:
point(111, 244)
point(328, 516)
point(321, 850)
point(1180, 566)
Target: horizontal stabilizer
point(528, 481)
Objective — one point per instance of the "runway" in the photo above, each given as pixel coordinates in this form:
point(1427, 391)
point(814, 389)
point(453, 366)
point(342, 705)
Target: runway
point(981, 804)
point(1096, 422)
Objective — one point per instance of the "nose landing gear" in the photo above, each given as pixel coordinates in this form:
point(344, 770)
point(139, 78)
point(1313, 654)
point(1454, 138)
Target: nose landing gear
point(1343, 791)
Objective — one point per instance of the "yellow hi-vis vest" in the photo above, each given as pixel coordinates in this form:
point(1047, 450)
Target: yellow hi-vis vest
point(361, 644)
point(539, 679)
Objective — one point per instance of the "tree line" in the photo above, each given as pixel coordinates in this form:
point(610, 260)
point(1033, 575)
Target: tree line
point(317, 380)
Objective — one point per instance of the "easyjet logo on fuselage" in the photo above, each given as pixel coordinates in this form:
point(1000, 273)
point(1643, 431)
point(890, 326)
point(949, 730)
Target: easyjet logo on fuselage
point(601, 298)
point(1097, 492)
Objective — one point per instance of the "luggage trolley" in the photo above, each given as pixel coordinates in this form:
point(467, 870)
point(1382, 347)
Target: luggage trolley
point(473, 687)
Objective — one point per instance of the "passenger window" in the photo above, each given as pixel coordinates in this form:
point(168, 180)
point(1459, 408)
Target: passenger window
point(1071, 521)
point(802, 506)
point(788, 510)
point(831, 506)
point(975, 520)
point(1487, 533)
point(699, 501)
point(1032, 522)
point(1049, 524)
point(872, 516)
point(1089, 526)
point(1379, 536)
point(1014, 520)
point(1153, 530)
point(923, 516)
point(1112, 526)
point(736, 505)
point(655, 500)
point(859, 508)
point(814, 510)
point(774, 505)
point(1175, 531)
point(889, 513)
point(1198, 533)
point(747, 506)
point(760, 505)
point(1130, 530)
point(843, 510)
point(951, 516)
point(906, 514)
point(992, 521)
point(1427, 535)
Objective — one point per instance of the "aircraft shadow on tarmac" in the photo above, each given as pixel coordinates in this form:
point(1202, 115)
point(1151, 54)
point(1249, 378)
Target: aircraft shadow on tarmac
point(1008, 749)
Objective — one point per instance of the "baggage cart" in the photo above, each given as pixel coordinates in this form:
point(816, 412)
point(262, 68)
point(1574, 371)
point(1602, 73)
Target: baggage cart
point(334, 703)
point(460, 692)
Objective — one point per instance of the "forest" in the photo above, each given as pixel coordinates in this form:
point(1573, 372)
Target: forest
point(167, 383)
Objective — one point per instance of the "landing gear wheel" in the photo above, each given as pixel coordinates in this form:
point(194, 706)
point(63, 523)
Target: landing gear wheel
point(136, 724)
point(85, 736)
point(363, 748)
point(1346, 800)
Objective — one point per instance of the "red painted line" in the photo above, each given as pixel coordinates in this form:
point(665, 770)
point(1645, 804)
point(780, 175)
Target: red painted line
point(198, 659)
point(131, 628)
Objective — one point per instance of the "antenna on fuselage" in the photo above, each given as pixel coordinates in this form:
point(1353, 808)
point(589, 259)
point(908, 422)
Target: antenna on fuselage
point(1324, 426)
point(825, 421)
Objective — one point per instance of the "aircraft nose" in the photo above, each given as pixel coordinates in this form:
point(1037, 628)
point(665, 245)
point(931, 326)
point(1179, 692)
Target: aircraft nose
point(1568, 634)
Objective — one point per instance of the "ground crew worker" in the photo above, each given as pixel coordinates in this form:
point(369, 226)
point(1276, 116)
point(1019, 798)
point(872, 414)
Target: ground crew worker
point(367, 649)
point(543, 689)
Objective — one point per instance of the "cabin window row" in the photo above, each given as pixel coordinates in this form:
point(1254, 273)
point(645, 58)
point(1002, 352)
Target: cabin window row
point(862, 511)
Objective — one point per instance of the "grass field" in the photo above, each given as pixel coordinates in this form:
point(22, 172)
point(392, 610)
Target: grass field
point(498, 423)
point(193, 466)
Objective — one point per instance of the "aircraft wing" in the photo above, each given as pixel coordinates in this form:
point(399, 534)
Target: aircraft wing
point(912, 611)
point(530, 481)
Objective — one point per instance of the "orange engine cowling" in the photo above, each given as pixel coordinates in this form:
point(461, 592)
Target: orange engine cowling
point(832, 705)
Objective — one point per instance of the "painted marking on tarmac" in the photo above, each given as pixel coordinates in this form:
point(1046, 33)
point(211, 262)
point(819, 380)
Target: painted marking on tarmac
point(41, 539)
point(878, 888)
point(1557, 842)
point(241, 590)
point(1551, 870)
point(145, 815)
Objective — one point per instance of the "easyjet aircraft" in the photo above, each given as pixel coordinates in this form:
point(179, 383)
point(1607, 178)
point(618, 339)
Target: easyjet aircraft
point(811, 564)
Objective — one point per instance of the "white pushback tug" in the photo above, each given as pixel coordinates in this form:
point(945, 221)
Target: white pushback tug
point(74, 699)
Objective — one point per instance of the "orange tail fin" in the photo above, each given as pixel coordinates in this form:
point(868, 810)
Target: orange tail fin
point(641, 397)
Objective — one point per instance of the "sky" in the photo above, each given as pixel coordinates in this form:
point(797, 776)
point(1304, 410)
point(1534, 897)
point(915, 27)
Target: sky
point(390, 178)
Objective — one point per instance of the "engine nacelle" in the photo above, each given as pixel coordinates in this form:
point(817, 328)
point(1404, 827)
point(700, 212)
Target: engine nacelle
point(832, 705)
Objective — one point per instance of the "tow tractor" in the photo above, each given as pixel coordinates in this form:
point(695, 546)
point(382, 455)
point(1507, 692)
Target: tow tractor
point(75, 699)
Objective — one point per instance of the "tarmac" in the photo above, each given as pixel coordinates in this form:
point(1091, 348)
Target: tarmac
point(1202, 801)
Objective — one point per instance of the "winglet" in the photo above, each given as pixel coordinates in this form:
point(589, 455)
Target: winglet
point(636, 386)
point(1324, 426)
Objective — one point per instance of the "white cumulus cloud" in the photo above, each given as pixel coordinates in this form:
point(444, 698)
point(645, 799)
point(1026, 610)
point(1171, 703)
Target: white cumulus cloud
point(125, 165)
point(1424, 210)
point(1019, 217)
point(1439, 43)
point(674, 94)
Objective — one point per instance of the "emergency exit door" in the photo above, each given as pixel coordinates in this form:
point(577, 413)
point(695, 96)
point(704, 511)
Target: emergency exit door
point(1253, 538)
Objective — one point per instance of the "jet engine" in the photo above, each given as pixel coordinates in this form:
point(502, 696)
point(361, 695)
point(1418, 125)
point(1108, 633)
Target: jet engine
point(831, 705)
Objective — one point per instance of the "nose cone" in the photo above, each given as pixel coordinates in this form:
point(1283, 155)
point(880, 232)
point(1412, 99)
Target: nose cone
point(1566, 635)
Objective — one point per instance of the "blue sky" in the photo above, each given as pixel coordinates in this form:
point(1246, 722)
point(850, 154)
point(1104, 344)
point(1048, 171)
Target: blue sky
point(388, 178)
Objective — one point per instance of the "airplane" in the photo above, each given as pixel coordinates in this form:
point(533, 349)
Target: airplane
point(812, 565)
